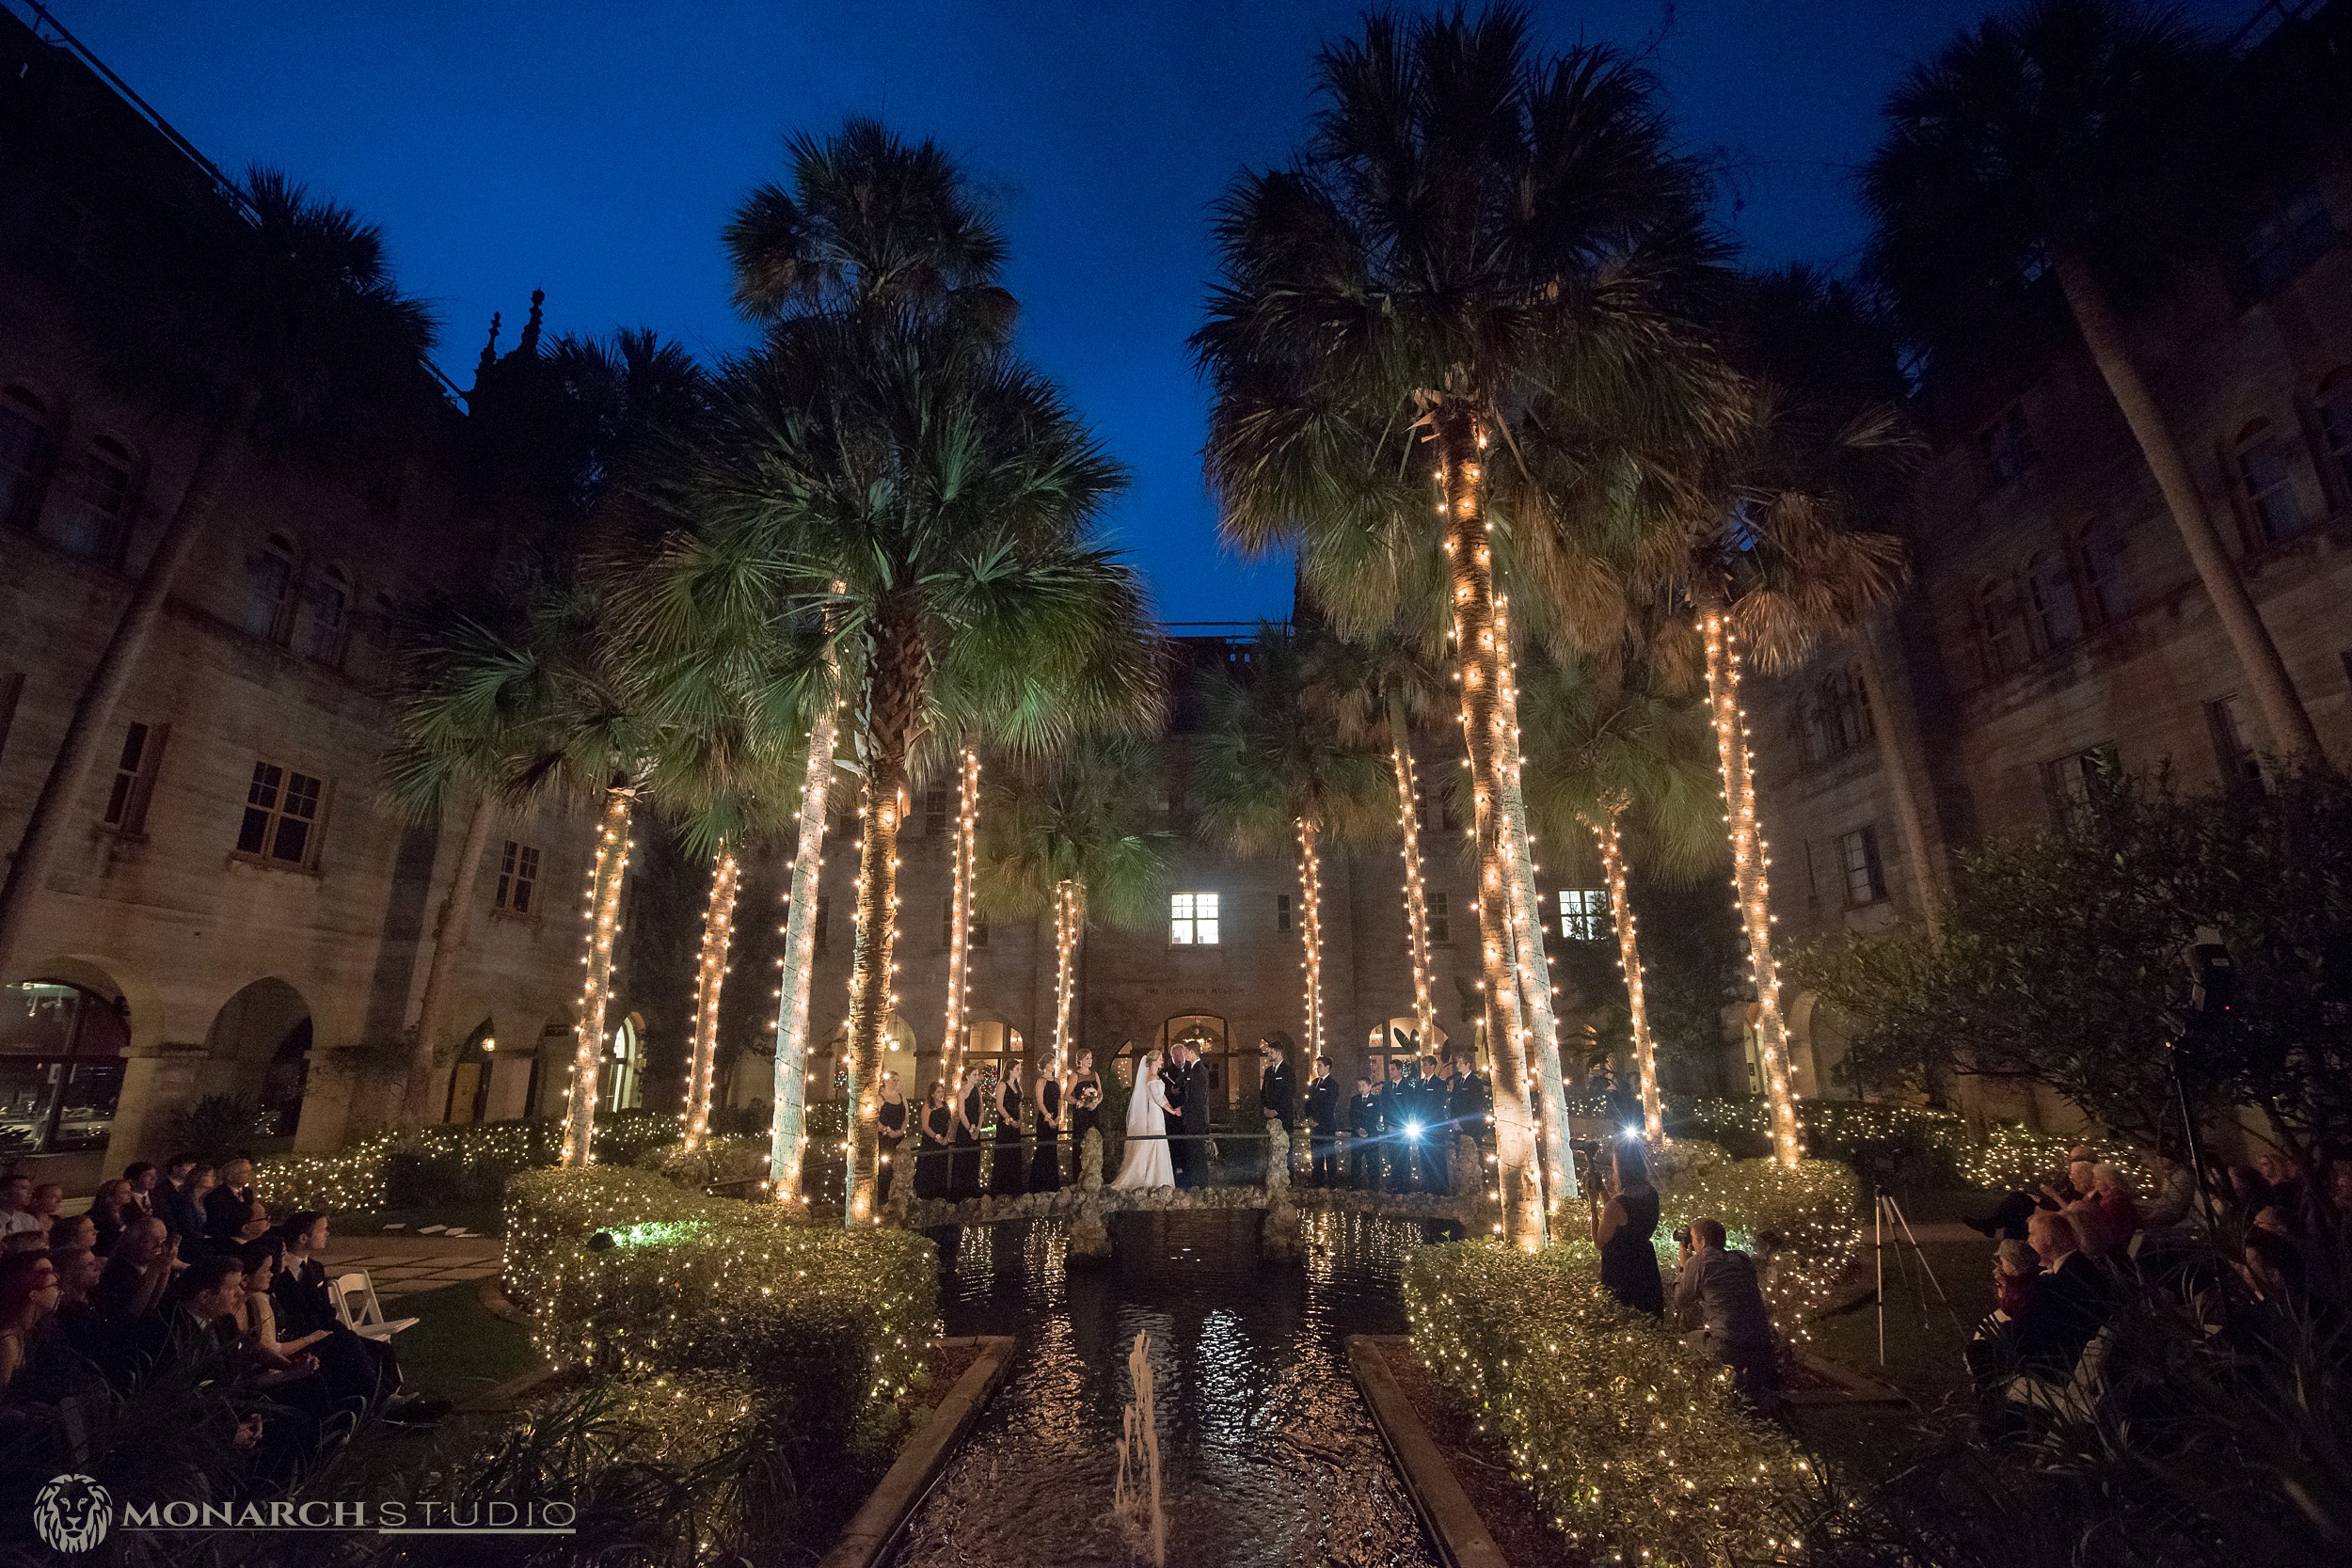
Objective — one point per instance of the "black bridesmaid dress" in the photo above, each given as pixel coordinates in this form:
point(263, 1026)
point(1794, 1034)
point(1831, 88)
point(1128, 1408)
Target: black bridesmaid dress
point(930, 1161)
point(1045, 1164)
point(1084, 1119)
point(890, 1135)
point(963, 1169)
point(1005, 1175)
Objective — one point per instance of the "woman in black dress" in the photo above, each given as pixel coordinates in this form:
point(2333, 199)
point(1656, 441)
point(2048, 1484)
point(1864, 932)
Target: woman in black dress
point(1086, 1104)
point(890, 1133)
point(1005, 1174)
point(1628, 1264)
point(938, 1132)
point(1045, 1164)
point(964, 1167)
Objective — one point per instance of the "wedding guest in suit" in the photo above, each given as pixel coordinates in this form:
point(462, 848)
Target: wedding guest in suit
point(1322, 1118)
point(1363, 1137)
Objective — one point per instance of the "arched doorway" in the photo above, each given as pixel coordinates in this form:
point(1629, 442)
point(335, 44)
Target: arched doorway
point(258, 1047)
point(470, 1078)
point(829, 1071)
point(1206, 1034)
point(61, 1066)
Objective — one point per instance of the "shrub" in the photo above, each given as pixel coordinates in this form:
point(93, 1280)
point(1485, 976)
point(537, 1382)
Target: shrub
point(216, 1126)
point(1897, 1146)
point(693, 1285)
point(1633, 1444)
point(718, 1160)
point(444, 1163)
point(1804, 1222)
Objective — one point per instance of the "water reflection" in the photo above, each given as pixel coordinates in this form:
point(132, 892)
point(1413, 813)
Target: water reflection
point(1270, 1460)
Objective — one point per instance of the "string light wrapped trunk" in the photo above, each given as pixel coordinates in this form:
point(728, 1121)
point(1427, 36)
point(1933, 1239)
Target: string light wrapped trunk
point(1311, 929)
point(1070, 919)
point(1416, 888)
point(959, 911)
point(1630, 964)
point(1749, 863)
point(602, 911)
point(787, 1137)
point(899, 670)
point(1470, 561)
point(1527, 918)
point(710, 978)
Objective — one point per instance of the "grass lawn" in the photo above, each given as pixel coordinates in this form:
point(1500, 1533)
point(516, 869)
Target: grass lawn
point(1923, 1339)
point(459, 1350)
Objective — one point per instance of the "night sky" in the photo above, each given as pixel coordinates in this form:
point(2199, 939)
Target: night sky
point(594, 150)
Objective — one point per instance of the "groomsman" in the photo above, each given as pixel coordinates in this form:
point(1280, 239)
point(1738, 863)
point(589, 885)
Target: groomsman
point(1364, 1127)
point(1276, 1094)
point(1396, 1105)
point(1436, 1136)
point(1323, 1116)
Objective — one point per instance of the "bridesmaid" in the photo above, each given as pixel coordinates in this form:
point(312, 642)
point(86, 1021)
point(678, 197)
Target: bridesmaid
point(1086, 1105)
point(1045, 1164)
point(938, 1132)
point(963, 1169)
point(1004, 1167)
point(890, 1135)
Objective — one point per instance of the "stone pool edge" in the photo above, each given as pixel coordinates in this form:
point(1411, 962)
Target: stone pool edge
point(872, 1531)
point(1446, 1512)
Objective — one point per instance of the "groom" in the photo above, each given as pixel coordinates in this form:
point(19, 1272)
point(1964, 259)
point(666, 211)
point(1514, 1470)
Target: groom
point(1188, 1108)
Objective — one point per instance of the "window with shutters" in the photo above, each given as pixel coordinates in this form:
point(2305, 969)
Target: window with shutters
point(1865, 876)
point(281, 817)
point(2077, 784)
point(2003, 622)
point(135, 778)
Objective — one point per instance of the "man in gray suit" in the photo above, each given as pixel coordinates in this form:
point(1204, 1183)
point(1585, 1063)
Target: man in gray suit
point(1717, 1296)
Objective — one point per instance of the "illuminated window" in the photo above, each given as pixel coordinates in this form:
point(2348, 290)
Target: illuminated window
point(1834, 716)
point(1583, 913)
point(1866, 877)
point(1192, 919)
point(281, 811)
point(135, 778)
point(518, 877)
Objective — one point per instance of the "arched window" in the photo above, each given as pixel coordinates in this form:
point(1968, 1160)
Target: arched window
point(23, 454)
point(2335, 425)
point(2099, 554)
point(624, 1068)
point(2050, 591)
point(1834, 716)
point(269, 579)
point(325, 606)
point(91, 524)
point(2004, 625)
point(61, 1067)
point(2266, 476)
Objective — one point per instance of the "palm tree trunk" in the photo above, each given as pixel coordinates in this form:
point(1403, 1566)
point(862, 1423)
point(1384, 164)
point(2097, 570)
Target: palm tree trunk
point(1902, 759)
point(605, 875)
point(1470, 561)
point(453, 933)
point(1416, 893)
point(1527, 905)
point(55, 820)
point(1749, 883)
point(1629, 963)
point(2104, 334)
point(900, 666)
point(788, 1133)
point(960, 911)
point(710, 979)
point(1311, 929)
point(1070, 919)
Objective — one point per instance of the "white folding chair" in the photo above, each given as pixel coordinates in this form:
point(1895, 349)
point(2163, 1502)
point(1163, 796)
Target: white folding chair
point(367, 1319)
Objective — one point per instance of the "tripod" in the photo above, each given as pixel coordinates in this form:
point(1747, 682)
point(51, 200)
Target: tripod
point(1887, 1217)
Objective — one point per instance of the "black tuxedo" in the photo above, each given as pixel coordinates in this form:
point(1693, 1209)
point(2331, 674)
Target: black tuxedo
point(1189, 1100)
point(1276, 1094)
point(1322, 1118)
point(1364, 1123)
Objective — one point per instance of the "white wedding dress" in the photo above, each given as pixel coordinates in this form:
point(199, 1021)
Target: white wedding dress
point(1147, 1163)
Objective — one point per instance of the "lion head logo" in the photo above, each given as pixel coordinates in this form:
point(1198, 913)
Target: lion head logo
point(72, 1513)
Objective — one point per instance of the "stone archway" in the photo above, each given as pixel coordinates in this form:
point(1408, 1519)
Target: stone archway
point(258, 1049)
point(61, 1067)
point(1207, 1034)
point(469, 1098)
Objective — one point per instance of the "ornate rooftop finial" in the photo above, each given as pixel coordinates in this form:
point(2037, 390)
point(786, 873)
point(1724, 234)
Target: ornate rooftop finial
point(490, 349)
point(529, 344)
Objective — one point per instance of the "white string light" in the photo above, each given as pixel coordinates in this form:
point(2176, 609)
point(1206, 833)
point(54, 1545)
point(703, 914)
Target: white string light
point(788, 1136)
point(1630, 965)
point(602, 913)
point(710, 983)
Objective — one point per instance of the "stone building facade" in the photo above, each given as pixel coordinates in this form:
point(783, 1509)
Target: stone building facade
point(2055, 620)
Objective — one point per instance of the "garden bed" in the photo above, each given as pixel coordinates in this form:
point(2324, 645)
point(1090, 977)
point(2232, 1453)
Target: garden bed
point(1481, 1463)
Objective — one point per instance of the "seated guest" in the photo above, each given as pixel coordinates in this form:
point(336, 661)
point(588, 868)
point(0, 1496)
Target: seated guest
point(170, 1202)
point(16, 1205)
point(109, 1209)
point(79, 1323)
point(2173, 1207)
point(2247, 1192)
point(2111, 1195)
point(302, 1303)
point(2017, 1269)
point(207, 1323)
point(192, 1221)
point(2069, 1303)
point(2272, 1266)
point(28, 1294)
point(48, 1200)
point(133, 1283)
point(68, 1231)
point(1991, 1353)
point(227, 1206)
point(1717, 1294)
point(142, 1177)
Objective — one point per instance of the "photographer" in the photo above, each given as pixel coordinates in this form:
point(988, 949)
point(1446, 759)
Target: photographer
point(1717, 1296)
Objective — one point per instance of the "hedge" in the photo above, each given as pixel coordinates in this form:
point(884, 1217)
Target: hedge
point(443, 1164)
point(1635, 1444)
point(1803, 1225)
point(1913, 1143)
point(693, 1287)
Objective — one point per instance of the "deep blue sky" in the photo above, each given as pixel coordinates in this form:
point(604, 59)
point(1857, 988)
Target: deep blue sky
point(593, 148)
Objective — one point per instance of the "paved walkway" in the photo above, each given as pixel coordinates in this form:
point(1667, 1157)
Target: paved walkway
point(404, 1265)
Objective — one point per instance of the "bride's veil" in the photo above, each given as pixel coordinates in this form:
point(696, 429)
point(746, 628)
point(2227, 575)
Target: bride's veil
point(1139, 1105)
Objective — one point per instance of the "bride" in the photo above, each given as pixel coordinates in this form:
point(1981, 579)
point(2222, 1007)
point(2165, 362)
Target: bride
point(1147, 1163)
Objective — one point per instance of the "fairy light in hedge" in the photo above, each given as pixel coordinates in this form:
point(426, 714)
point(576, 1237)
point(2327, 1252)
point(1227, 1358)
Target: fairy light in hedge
point(1311, 932)
point(1630, 965)
point(1752, 890)
point(711, 980)
point(602, 913)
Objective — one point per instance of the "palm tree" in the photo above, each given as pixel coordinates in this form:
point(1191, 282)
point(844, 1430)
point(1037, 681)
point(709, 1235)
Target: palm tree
point(1621, 749)
point(2078, 138)
point(1274, 772)
point(1073, 834)
point(1482, 251)
point(260, 324)
point(1795, 543)
point(868, 225)
point(1378, 689)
